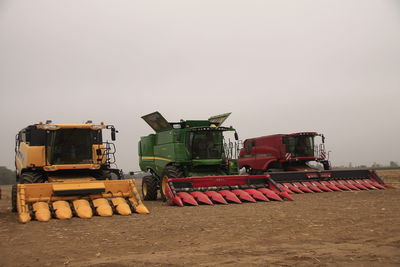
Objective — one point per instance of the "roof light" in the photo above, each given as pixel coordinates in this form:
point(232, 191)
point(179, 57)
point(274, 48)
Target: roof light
point(47, 127)
point(97, 127)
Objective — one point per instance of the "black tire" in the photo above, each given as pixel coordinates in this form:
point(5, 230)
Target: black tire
point(14, 198)
point(149, 187)
point(31, 178)
point(326, 164)
point(169, 172)
point(102, 175)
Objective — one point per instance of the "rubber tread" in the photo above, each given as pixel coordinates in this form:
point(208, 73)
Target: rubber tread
point(170, 172)
point(152, 184)
point(31, 178)
point(14, 198)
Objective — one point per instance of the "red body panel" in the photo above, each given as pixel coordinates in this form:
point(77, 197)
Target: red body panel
point(266, 150)
point(269, 149)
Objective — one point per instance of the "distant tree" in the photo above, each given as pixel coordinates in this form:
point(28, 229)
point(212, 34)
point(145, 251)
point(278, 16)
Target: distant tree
point(7, 176)
point(350, 165)
point(375, 165)
point(393, 164)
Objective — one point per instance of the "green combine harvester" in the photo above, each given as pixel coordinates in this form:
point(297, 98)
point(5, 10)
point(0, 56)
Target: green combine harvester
point(190, 162)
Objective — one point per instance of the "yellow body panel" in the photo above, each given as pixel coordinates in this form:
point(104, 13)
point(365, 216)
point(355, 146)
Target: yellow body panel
point(77, 186)
point(71, 167)
point(103, 154)
point(29, 156)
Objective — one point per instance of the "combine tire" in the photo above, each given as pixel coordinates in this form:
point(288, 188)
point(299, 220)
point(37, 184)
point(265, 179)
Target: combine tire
point(14, 198)
point(31, 178)
point(102, 175)
point(149, 187)
point(169, 172)
point(326, 164)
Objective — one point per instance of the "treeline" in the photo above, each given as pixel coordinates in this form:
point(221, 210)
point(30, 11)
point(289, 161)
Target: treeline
point(392, 164)
point(7, 176)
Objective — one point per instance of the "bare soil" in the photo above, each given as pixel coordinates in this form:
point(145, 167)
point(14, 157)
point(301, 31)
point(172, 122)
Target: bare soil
point(359, 228)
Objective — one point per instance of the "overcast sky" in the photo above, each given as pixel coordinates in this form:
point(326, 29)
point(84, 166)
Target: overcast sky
point(279, 66)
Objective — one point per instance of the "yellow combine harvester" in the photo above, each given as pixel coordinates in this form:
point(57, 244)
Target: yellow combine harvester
point(64, 170)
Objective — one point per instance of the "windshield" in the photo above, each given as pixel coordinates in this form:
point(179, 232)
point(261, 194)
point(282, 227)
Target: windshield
point(300, 146)
point(69, 146)
point(206, 145)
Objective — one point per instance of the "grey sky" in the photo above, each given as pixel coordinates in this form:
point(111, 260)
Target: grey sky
point(278, 66)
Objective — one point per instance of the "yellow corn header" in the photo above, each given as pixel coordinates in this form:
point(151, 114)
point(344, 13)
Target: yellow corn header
point(77, 198)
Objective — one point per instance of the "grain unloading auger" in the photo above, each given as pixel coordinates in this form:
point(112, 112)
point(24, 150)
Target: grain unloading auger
point(64, 170)
point(286, 158)
point(190, 163)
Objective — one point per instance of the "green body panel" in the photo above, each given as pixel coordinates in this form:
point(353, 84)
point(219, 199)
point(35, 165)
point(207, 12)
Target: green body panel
point(195, 146)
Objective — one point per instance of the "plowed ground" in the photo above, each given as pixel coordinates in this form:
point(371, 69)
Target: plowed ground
point(341, 228)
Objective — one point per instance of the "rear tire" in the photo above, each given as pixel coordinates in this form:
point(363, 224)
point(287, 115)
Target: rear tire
point(14, 198)
point(149, 187)
point(31, 178)
point(169, 172)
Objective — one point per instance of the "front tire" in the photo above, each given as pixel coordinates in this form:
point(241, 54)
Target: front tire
point(326, 164)
point(169, 172)
point(149, 187)
point(14, 198)
point(31, 178)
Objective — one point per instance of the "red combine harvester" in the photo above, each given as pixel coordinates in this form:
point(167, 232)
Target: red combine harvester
point(287, 157)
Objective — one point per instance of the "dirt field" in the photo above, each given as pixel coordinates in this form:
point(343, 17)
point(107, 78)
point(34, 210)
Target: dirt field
point(342, 228)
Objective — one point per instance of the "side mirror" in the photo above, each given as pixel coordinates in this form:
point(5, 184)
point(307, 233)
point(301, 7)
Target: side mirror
point(113, 134)
point(98, 152)
point(236, 136)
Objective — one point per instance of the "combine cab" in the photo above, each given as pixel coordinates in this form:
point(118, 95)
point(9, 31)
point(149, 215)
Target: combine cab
point(287, 158)
point(63, 170)
point(191, 163)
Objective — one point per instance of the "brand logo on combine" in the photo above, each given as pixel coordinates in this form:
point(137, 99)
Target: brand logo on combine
point(220, 179)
